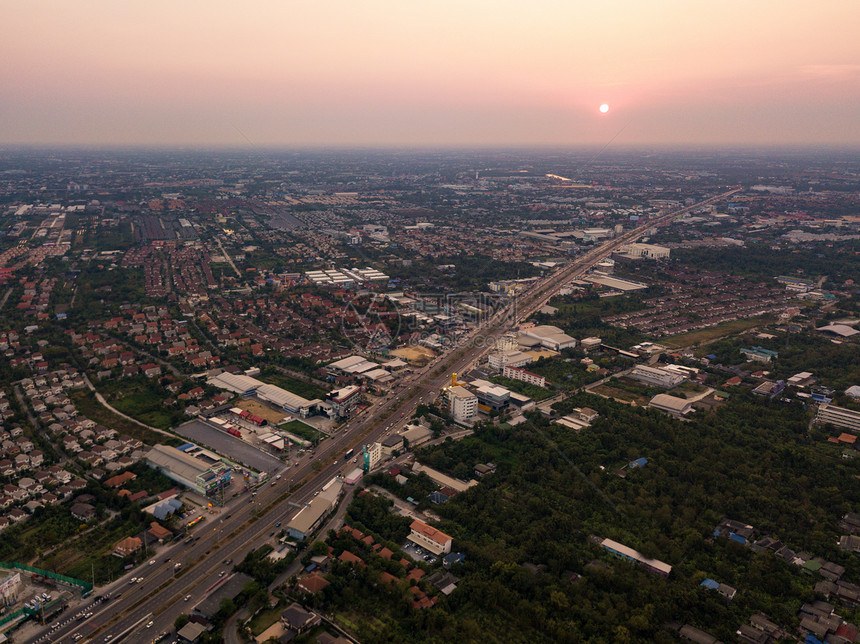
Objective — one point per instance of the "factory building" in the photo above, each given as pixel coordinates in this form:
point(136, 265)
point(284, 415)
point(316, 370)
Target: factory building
point(657, 377)
point(207, 478)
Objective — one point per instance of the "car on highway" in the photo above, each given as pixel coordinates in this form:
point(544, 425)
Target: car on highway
point(149, 624)
point(187, 597)
point(152, 562)
point(222, 573)
point(278, 524)
point(132, 580)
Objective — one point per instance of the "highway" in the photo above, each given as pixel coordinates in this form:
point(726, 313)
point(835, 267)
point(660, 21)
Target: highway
point(246, 523)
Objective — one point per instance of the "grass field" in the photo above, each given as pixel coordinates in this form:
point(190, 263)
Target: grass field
point(620, 395)
point(87, 405)
point(713, 333)
point(302, 430)
point(293, 385)
point(265, 618)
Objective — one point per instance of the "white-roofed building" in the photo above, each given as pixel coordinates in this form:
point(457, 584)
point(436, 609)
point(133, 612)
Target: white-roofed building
point(309, 518)
point(842, 330)
point(657, 377)
point(548, 336)
point(671, 404)
point(237, 383)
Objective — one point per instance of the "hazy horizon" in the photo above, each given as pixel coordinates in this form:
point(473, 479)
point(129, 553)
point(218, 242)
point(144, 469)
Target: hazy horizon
point(380, 75)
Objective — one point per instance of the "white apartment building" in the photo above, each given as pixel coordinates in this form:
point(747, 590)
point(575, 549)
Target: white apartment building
point(463, 403)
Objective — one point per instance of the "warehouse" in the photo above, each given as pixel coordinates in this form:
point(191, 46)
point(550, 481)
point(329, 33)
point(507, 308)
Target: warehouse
point(310, 517)
point(205, 478)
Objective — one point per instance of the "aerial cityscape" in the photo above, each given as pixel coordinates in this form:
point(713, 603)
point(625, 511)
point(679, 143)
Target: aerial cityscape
point(357, 328)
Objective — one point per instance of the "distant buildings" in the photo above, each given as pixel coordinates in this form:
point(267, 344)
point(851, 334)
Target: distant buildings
point(760, 354)
point(645, 251)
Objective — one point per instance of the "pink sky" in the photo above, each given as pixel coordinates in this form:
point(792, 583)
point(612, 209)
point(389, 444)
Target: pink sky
point(470, 72)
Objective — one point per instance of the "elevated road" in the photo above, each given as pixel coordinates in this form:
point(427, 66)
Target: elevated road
point(247, 522)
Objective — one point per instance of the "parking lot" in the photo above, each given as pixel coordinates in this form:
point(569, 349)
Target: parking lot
point(233, 448)
point(417, 553)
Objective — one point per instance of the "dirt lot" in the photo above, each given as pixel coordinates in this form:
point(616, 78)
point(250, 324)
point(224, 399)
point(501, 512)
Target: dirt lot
point(262, 410)
point(415, 355)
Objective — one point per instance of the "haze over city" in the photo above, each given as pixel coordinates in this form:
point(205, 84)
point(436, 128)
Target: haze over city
point(429, 74)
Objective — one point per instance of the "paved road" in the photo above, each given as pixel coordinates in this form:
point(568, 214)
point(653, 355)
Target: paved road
point(232, 536)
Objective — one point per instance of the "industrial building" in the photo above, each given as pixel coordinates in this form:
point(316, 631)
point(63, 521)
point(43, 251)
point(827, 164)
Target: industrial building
point(204, 477)
point(277, 396)
point(838, 416)
point(657, 377)
point(547, 336)
point(310, 517)
point(463, 404)
point(644, 251)
point(416, 435)
point(616, 283)
point(671, 404)
point(512, 357)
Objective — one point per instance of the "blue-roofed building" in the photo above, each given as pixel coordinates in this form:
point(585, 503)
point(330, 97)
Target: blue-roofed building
point(710, 584)
point(639, 462)
point(453, 558)
point(438, 497)
point(185, 447)
point(738, 538)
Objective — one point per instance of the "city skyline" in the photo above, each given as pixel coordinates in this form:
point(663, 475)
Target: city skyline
point(379, 74)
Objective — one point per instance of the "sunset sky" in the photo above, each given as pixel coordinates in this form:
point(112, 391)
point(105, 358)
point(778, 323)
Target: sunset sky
point(442, 73)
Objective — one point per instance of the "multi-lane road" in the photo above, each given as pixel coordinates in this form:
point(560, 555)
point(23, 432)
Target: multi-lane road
point(247, 522)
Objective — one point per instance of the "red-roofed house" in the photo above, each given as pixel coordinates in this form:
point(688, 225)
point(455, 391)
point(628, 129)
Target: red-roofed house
point(347, 557)
point(312, 584)
point(429, 537)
